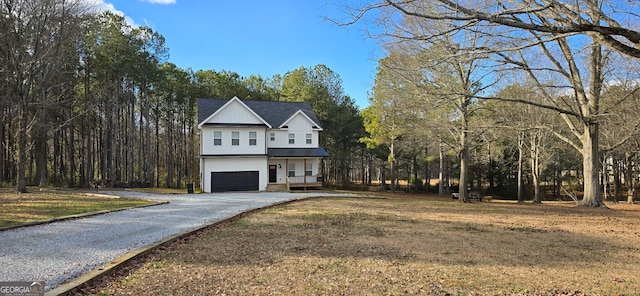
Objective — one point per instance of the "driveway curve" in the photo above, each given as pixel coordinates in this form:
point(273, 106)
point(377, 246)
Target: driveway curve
point(61, 251)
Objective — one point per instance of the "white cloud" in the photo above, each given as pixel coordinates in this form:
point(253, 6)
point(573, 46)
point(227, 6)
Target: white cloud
point(161, 1)
point(101, 5)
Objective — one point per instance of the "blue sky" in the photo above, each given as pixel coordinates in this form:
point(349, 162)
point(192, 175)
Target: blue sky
point(259, 37)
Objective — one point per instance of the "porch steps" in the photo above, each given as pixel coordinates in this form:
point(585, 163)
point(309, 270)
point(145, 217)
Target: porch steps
point(276, 188)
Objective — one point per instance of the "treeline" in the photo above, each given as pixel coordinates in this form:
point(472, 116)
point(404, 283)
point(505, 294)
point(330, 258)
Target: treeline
point(519, 102)
point(88, 100)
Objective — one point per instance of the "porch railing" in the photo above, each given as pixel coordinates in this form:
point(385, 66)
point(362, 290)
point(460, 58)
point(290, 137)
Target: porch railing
point(313, 179)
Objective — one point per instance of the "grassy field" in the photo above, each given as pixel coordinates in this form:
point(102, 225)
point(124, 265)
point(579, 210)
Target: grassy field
point(398, 245)
point(40, 205)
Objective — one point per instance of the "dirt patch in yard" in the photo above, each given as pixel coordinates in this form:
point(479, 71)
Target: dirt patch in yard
point(400, 245)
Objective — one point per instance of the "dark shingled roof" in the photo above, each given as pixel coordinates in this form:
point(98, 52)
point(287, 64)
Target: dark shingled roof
point(297, 152)
point(275, 113)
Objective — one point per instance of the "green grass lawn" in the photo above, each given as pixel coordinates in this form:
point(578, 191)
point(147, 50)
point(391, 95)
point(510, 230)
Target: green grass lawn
point(40, 205)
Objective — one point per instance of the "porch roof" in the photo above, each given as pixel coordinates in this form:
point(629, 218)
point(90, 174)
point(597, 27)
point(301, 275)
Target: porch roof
point(297, 152)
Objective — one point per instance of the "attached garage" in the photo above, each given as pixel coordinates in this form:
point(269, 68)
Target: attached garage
point(234, 174)
point(235, 181)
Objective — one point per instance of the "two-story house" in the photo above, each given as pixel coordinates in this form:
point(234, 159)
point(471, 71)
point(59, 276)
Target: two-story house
point(250, 145)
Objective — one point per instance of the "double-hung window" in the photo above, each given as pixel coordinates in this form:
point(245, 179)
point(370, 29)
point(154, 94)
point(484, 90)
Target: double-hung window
point(292, 138)
point(292, 170)
point(272, 136)
point(309, 138)
point(253, 138)
point(235, 138)
point(217, 138)
point(308, 171)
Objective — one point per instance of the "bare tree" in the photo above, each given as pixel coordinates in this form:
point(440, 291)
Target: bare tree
point(611, 22)
point(448, 76)
point(38, 44)
point(558, 44)
point(531, 126)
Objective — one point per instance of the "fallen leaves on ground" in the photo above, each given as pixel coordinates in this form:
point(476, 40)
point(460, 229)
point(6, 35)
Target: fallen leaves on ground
point(402, 245)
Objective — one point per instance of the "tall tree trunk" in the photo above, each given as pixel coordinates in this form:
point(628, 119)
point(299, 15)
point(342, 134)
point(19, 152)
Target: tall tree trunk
point(630, 177)
point(89, 165)
point(41, 154)
point(146, 109)
point(169, 149)
point(103, 146)
point(383, 177)
point(520, 167)
point(131, 139)
point(41, 140)
point(363, 167)
point(21, 153)
point(535, 167)
point(83, 154)
point(3, 147)
point(141, 161)
point(415, 173)
point(392, 157)
point(604, 176)
point(108, 148)
point(117, 145)
point(86, 173)
point(464, 155)
point(590, 164)
point(464, 173)
point(557, 178)
point(441, 174)
point(57, 168)
point(490, 174)
point(157, 155)
point(71, 150)
point(369, 169)
point(61, 163)
point(617, 180)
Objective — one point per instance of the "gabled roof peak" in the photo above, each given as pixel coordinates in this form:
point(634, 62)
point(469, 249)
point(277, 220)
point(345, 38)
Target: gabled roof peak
point(225, 105)
point(274, 113)
point(299, 112)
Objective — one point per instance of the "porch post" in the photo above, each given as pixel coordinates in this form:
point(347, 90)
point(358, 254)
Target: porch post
point(286, 173)
point(305, 172)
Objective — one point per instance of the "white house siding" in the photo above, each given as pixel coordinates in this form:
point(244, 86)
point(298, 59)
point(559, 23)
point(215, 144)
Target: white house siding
point(235, 116)
point(235, 113)
point(282, 169)
point(235, 164)
point(298, 125)
point(300, 165)
point(208, 147)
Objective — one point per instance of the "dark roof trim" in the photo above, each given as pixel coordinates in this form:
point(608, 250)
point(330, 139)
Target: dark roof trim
point(231, 155)
point(297, 152)
point(233, 124)
point(273, 113)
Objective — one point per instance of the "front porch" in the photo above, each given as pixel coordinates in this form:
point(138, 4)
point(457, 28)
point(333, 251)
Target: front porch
point(304, 182)
point(297, 182)
point(295, 168)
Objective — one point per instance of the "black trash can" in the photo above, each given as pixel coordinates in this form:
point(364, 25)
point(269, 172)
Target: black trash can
point(189, 187)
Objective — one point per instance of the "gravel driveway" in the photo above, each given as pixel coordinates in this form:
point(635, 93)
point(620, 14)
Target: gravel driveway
point(61, 251)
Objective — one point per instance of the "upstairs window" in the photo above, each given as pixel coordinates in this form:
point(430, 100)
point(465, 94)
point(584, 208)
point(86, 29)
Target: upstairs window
point(292, 138)
point(217, 138)
point(272, 136)
point(253, 138)
point(235, 138)
point(309, 138)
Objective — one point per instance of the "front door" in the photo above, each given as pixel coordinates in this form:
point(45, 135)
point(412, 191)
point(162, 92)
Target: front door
point(272, 173)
